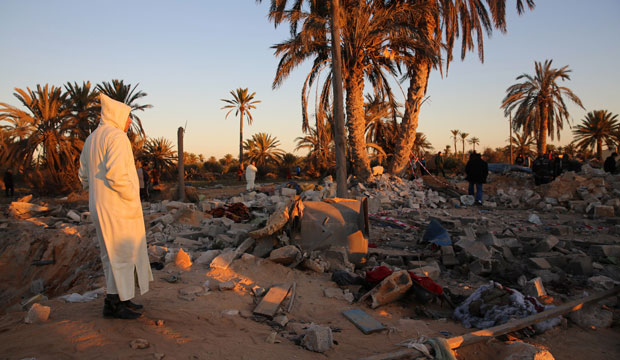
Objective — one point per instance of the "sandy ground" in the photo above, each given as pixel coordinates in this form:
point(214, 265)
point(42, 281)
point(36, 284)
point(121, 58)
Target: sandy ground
point(201, 329)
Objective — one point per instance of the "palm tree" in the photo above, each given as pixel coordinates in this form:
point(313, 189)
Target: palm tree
point(128, 94)
point(160, 152)
point(523, 143)
point(84, 107)
point(455, 135)
point(43, 131)
point(242, 102)
point(464, 19)
point(263, 149)
point(447, 149)
point(319, 156)
point(474, 141)
point(598, 126)
point(538, 102)
point(371, 34)
point(463, 136)
point(421, 144)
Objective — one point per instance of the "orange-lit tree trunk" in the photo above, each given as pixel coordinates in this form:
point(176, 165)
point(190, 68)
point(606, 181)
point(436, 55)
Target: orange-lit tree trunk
point(542, 135)
point(356, 123)
point(418, 83)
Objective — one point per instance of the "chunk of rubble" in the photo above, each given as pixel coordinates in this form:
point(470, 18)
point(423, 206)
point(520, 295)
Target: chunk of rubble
point(285, 255)
point(37, 314)
point(317, 338)
point(183, 260)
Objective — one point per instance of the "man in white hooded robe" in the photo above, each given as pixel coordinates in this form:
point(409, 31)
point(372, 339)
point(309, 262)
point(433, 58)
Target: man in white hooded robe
point(250, 176)
point(108, 171)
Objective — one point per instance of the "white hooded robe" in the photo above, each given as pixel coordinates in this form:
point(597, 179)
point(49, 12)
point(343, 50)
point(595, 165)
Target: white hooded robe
point(108, 171)
point(250, 176)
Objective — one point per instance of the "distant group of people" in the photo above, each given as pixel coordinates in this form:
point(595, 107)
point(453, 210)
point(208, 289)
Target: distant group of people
point(548, 166)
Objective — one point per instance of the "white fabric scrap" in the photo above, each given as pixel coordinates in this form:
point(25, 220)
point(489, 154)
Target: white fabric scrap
point(86, 297)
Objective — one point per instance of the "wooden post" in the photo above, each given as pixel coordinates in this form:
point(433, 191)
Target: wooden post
point(510, 122)
point(181, 165)
point(339, 137)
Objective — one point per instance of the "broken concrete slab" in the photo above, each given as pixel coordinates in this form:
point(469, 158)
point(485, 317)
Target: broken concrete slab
point(285, 255)
point(547, 244)
point(38, 313)
point(366, 323)
point(391, 288)
point(271, 301)
point(539, 263)
point(604, 211)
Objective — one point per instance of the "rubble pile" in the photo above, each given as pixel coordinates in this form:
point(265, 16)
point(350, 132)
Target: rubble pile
point(525, 250)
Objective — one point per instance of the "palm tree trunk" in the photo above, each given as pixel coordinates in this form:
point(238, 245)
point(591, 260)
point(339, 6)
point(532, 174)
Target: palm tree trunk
point(339, 136)
point(599, 149)
point(542, 136)
point(455, 149)
point(463, 154)
point(418, 82)
point(356, 124)
point(241, 139)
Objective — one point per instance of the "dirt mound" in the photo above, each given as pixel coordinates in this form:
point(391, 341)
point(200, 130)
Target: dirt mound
point(34, 259)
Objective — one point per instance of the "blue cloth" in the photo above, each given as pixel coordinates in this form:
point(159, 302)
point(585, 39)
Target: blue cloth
point(436, 234)
point(478, 191)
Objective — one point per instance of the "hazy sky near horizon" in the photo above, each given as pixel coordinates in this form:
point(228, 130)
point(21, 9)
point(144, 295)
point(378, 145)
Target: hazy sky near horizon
point(187, 55)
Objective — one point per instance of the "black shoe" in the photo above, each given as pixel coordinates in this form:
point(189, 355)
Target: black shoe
point(132, 306)
point(113, 307)
point(479, 203)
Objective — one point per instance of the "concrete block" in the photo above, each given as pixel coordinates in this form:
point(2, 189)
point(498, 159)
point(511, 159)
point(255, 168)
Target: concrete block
point(38, 313)
point(546, 244)
point(535, 288)
point(317, 338)
point(539, 263)
point(580, 265)
point(604, 211)
point(288, 192)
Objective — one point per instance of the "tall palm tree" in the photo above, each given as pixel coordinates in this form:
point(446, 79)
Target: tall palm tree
point(371, 35)
point(454, 19)
point(538, 102)
point(474, 141)
point(319, 157)
point(262, 149)
point(41, 136)
point(597, 127)
point(455, 135)
point(242, 102)
point(463, 136)
point(128, 94)
point(160, 152)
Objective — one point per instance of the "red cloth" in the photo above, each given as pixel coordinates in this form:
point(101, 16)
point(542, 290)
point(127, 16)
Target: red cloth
point(427, 283)
point(377, 274)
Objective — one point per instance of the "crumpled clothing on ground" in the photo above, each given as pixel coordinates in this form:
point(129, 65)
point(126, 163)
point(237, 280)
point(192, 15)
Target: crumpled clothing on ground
point(489, 315)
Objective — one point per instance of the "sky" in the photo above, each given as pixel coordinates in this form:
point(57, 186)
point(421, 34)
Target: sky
point(188, 55)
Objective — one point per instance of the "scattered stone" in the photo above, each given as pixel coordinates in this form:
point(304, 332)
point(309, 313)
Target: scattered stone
point(580, 265)
point(230, 312)
point(183, 260)
point(139, 344)
point(535, 288)
point(37, 314)
point(73, 215)
point(467, 200)
point(25, 209)
point(317, 338)
point(206, 257)
point(592, 316)
point(281, 320)
point(271, 338)
point(524, 351)
point(223, 260)
point(285, 255)
point(226, 285)
point(534, 219)
point(192, 290)
point(540, 263)
point(602, 282)
point(547, 244)
point(604, 211)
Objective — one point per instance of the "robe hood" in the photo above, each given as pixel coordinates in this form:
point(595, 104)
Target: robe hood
point(114, 112)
